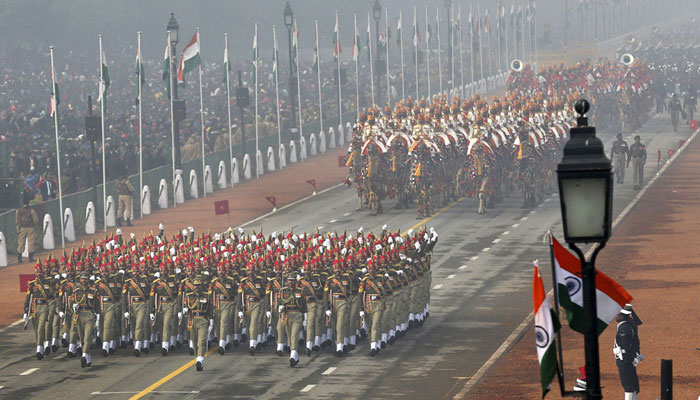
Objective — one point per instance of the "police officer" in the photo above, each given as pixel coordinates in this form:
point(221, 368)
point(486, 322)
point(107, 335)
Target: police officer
point(626, 358)
point(638, 156)
point(126, 190)
point(619, 153)
point(200, 322)
point(26, 221)
point(86, 314)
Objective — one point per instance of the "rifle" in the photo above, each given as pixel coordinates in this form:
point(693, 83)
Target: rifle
point(153, 322)
point(328, 319)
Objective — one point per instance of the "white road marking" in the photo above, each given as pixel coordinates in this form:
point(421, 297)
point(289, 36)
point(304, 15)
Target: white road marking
point(523, 219)
point(496, 240)
point(515, 225)
point(463, 266)
point(451, 276)
point(12, 325)
point(320, 227)
point(155, 391)
point(532, 212)
point(474, 258)
point(346, 214)
point(2, 387)
point(505, 233)
point(60, 356)
point(329, 370)
point(437, 287)
point(548, 199)
point(307, 388)
point(526, 323)
point(485, 249)
point(29, 371)
point(333, 221)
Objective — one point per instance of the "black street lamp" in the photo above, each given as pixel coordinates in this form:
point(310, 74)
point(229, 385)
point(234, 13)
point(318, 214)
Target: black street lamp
point(586, 194)
point(448, 5)
point(289, 23)
point(173, 29)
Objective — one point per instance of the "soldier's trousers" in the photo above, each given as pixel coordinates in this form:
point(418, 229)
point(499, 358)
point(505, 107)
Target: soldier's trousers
point(198, 335)
point(86, 329)
point(638, 168)
point(223, 319)
point(312, 329)
point(41, 315)
point(339, 319)
point(138, 319)
point(124, 206)
point(25, 235)
point(55, 321)
point(110, 329)
point(674, 119)
point(254, 320)
point(387, 317)
point(354, 317)
point(373, 321)
point(279, 327)
point(619, 162)
point(236, 320)
point(320, 321)
point(69, 328)
point(168, 316)
point(293, 322)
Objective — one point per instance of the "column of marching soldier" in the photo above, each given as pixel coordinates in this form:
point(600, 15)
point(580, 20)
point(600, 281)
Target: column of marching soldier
point(302, 291)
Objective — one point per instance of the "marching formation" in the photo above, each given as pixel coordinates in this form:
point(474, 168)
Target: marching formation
point(430, 152)
point(302, 291)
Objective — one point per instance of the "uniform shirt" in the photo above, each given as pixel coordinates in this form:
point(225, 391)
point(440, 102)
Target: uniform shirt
point(625, 340)
point(26, 217)
point(108, 291)
point(199, 304)
point(40, 290)
point(135, 289)
point(164, 288)
point(252, 288)
point(223, 288)
point(313, 287)
point(293, 299)
point(86, 299)
point(371, 288)
point(619, 147)
point(65, 292)
point(273, 289)
point(638, 150)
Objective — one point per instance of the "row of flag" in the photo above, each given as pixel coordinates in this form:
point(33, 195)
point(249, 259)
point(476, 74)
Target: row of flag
point(610, 298)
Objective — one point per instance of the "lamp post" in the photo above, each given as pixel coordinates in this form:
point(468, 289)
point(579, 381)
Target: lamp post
point(448, 5)
point(378, 63)
point(586, 193)
point(173, 28)
point(289, 23)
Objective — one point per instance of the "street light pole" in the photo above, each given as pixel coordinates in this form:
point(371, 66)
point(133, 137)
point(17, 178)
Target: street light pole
point(289, 22)
point(173, 28)
point(377, 15)
point(448, 5)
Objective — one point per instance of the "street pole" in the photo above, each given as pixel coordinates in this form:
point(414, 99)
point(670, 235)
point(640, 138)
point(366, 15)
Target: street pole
point(240, 106)
point(176, 120)
point(292, 89)
point(448, 6)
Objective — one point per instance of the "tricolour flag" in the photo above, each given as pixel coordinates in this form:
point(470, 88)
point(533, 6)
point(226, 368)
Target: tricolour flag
point(367, 43)
point(275, 60)
point(55, 97)
point(398, 31)
point(190, 58)
point(295, 46)
point(315, 64)
point(104, 81)
point(356, 44)
point(428, 34)
point(416, 36)
point(336, 40)
point(166, 68)
point(140, 76)
point(255, 52)
point(382, 44)
point(227, 65)
point(487, 25)
point(610, 296)
point(545, 328)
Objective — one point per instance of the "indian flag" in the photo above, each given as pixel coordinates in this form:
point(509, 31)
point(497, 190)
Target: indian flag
point(255, 54)
point(544, 332)
point(416, 36)
point(104, 80)
point(55, 97)
point(140, 77)
point(295, 46)
point(166, 68)
point(382, 44)
point(610, 296)
point(398, 30)
point(190, 58)
point(356, 43)
point(227, 64)
point(336, 40)
point(315, 64)
point(275, 58)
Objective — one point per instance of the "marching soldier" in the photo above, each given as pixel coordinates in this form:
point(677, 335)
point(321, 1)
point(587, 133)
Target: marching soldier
point(186, 287)
point(674, 108)
point(26, 221)
point(135, 306)
point(86, 315)
point(107, 301)
point(163, 304)
point(126, 190)
point(224, 292)
point(252, 297)
point(372, 290)
point(312, 287)
point(619, 153)
point(200, 322)
point(38, 305)
point(273, 315)
point(293, 314)
point(70, 333)
point(638, 156)
point(337, 290)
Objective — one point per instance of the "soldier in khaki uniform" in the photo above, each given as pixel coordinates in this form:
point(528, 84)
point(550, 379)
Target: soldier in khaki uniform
point(135, 306)
point(125, 190)
point(200, 322)
point(224, 292)
point(163, 301)
point(26, 221)
point(107, 301)
point(638, 156)
point(619, 153)
point(252, 294)
point(337, 290)
point(274, 288)
point(86, 315)
point(312, 287)
point(41, 294)
point(372, 290)
point(293, 314)
point(69, 330)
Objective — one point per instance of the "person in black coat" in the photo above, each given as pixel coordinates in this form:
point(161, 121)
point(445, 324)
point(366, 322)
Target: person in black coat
point(626, 350)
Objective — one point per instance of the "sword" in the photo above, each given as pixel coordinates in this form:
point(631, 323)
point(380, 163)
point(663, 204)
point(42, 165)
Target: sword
point(26, 322)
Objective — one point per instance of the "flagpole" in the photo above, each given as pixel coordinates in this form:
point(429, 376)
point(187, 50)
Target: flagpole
point(415, 45)
point(471, 43)
point(450, 22)
point(498, 32)
point(337, 62)
point(400, 33)
point(172, 114)
point(255, 67)
point(201, 118)
point(505, 28)
point(356, 52)
point(386, 39)
point(461, 52)
point(296, 58)
point(514, 14)
point(138, 66)
point(439, 49)
point(228, 109)
point(277, 88)
point(522, 29)
point(371, 61)
point(104, 167)
point(58, 148)
point(427, 49)
point(481, 48)
point(488, 41)
point(534, 25)
point(318, 78)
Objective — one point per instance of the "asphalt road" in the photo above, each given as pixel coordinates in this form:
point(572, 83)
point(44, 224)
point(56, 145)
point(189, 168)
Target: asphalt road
point(482, 275)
